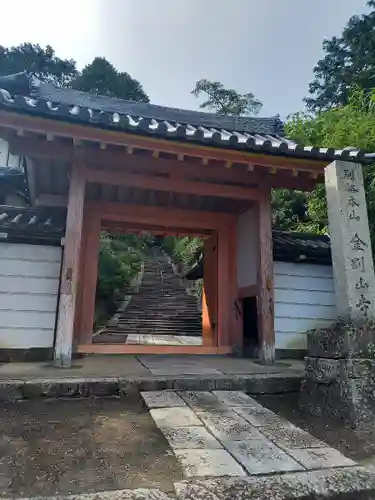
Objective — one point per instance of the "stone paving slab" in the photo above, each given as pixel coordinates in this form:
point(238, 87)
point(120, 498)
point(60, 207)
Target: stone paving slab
point(191, 438)
point(289, 437)
point(260, 456)
point(208, 463)
point(171, 418)
point(256, 439)
point(202, 400)
point(259, 417)
point(229, 426)
point(138, 494)
point(354, 483)
point(320, 458)
point(236, 398)
point(162, 399)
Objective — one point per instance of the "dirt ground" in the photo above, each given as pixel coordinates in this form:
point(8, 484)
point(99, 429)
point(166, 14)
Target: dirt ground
point(357, 445)
point(49, 447)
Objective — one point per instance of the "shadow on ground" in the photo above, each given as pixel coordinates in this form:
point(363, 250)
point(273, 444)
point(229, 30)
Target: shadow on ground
point(49, 447)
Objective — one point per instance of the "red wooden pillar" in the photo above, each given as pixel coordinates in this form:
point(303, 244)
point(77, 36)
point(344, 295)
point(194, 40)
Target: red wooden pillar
point(70, 267)
point(209, 313)
point(265, 278)
point(90, 275)
point(224, 294)
point(235, 320)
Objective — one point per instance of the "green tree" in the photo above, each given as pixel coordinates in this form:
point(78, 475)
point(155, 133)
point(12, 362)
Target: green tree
point(349, 60)
point(101, 77)
point(225, 101)
point(353, 124)
point(42, 62)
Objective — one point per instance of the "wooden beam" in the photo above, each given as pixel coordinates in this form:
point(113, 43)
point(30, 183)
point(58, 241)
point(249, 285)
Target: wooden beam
point(127, 228)
point(151, 349)
point(160, 216)
point(170, 185)
point(134, 163)
point(40, 125)
point(247, 291)
point(51, 200)
point(70, 268)
point(265, 278)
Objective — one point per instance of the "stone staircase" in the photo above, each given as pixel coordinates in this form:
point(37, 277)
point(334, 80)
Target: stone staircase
point(160, 307)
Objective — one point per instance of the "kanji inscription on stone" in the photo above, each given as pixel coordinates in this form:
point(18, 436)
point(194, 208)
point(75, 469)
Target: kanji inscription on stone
point(353, 267)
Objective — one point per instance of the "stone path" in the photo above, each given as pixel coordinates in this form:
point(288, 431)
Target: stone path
point(227, 433)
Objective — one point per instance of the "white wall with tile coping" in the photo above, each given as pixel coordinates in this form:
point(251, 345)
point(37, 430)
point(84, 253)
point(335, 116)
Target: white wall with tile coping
point(304, 293)
point(29, 283)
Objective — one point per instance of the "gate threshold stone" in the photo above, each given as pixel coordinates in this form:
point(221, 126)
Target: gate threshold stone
point(99, 386)
point(355, 483)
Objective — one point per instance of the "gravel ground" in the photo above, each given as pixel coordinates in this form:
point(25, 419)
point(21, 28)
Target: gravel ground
point(357, 445)
point(49, 447)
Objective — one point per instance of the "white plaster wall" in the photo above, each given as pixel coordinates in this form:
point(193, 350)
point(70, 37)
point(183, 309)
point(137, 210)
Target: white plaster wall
point(6, 158)
point(29, 282)
point(247, 247)
point(304, 299)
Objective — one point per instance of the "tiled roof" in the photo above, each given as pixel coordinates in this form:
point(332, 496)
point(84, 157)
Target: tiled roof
point(287, 247)
point(23, 93)
point(37, 222)
point(301, 247)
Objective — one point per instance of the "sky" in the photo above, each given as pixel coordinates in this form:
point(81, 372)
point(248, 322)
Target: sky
point(267, 47)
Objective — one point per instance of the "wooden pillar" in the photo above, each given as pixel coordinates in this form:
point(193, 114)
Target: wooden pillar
point(90, 275)
point(235, 311)
point(266, 329)
point(224, 296)
point(210, 289)
point(207, 330)
point(70, 267)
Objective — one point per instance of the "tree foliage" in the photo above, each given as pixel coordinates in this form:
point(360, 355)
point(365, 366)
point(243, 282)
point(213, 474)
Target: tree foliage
point(353, 124)
point(41, 62)
point(120, 256)
point(101, 77)
point(225, 101)
point(349, 60)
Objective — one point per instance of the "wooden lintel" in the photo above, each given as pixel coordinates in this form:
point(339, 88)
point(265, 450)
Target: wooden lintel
point(170, 185)
point(51, 200)
point(247, 291)
point(88, 133)
point(160, 216)
point(128, 228)
point(137, 163)
point(151, 349)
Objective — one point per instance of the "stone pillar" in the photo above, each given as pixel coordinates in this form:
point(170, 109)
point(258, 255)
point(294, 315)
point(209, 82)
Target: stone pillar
point(353, 268)
point(340, 367)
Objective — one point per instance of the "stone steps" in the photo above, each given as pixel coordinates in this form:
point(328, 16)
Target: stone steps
point(161, 306)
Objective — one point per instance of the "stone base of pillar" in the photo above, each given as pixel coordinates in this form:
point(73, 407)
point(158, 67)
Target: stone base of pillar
point(340, 374)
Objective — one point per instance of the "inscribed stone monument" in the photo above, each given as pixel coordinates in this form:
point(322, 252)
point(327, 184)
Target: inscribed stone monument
point(353, 267)
point(340, 370)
